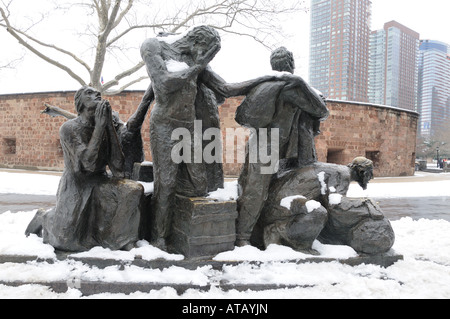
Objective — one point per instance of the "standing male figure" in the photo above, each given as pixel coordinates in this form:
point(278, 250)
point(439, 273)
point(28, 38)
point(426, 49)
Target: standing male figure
point(292, 107)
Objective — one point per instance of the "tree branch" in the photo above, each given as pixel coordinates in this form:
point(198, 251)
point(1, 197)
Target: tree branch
point(123, 13)
point(111, 20)
point(72, 55)
point(125, 86)
point(11, 64)
point(38, 53)
point(122, 75)
point(144, 26)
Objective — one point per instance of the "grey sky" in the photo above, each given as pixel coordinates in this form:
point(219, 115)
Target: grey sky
point(239, 59)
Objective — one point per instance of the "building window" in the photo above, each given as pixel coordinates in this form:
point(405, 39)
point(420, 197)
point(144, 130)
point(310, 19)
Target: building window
point(9, 146)
point(335, 156)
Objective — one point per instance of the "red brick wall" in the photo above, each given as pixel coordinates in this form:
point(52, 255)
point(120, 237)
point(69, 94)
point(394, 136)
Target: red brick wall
point(37, 135)
point(387, 135)
point(227, 112)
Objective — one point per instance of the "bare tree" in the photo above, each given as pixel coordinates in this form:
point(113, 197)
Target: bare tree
point(110, 26)
point(427, 146)
point(10, 64)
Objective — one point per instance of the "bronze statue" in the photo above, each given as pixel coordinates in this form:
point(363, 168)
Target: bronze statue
point(303, 199)
point(93, 208)
point(186, 90)
point(290, 106)
point(292, 200)
point(129, 133)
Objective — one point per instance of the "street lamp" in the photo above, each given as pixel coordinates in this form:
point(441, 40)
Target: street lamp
point(437, 156)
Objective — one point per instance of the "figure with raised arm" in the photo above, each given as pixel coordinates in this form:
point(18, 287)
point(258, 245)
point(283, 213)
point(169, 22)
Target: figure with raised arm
point(183, 84)
point(175, 94)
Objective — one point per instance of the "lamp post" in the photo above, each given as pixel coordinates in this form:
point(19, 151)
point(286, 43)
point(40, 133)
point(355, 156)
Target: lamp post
point(437, 156)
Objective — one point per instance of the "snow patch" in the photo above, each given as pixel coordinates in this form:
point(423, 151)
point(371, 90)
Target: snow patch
point(312, 205)
point(323, 185)
point(335, 199)
point(176, 66)
point(283, 253)
point(144, 250)
point(13, 240)
point(148, 187)
point(229, 192)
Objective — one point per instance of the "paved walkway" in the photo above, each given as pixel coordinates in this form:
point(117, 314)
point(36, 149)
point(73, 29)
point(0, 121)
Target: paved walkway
point(418, 177)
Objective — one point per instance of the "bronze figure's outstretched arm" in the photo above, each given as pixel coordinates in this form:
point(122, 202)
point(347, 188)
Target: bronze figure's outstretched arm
point(217, 84)
point(54, 111)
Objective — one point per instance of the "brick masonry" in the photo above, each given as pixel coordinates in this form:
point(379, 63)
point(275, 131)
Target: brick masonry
point(29, 139)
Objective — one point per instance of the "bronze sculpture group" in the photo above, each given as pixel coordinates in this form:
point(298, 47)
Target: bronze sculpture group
point(98, 205)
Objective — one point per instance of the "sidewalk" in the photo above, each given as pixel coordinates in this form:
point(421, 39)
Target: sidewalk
point(418, 177)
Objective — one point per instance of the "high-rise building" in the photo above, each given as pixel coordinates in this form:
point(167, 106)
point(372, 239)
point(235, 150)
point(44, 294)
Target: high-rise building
point(377, 67)
point(339, 48)
point(433, 98)
point(393, 66)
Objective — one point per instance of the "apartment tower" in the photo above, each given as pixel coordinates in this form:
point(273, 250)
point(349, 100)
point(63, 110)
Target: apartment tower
point(393, 66)
point(433, 98)
point(339, 48)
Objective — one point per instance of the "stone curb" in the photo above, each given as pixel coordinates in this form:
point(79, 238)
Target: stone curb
point(89, 288)
point(383, 260)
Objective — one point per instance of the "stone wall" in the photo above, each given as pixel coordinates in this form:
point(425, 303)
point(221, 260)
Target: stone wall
point(29, 139)
point(383, 134)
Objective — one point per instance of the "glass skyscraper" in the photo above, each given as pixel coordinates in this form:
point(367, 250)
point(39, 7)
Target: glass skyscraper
point(433, 99)
point(339, 48)
point(393, 66)
point(377, 67)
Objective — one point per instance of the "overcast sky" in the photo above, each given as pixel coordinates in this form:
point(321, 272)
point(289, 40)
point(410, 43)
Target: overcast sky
point(238, 60)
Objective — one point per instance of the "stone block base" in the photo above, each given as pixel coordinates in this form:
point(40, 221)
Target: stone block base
point(203, 227)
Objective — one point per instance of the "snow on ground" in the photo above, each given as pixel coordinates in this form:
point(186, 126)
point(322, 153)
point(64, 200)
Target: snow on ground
point(32, 184)
point(404, 189)
point(424, 273)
